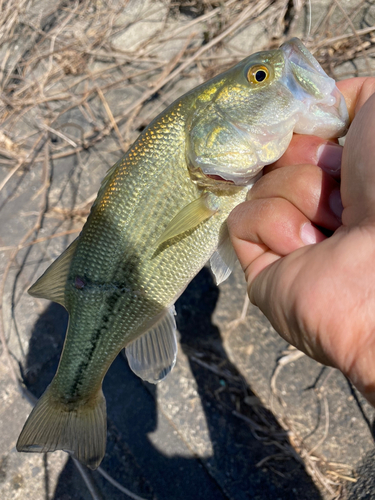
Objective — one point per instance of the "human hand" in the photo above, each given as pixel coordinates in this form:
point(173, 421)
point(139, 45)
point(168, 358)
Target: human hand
point(319, 297)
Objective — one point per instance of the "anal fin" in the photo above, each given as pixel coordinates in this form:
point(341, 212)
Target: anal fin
point(153, 355)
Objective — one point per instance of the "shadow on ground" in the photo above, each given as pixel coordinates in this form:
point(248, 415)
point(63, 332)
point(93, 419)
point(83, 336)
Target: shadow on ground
point(171, 470)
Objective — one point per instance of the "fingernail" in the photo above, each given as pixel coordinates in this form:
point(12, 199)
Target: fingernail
point(308, 234)
point(335, 203)
point(329, 157)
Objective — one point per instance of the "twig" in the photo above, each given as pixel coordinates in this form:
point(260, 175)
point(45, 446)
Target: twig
point(39, 240)
point(27, 161)
point(289, 357)
point(89, 481)
point(12, 257)
point(61, 135)
point(214, 369)
point(111, 118)
point(251, 10)
point(354, 32)
point(330, 41)
point(342, 476)
point(326, 427)
point(118, 485)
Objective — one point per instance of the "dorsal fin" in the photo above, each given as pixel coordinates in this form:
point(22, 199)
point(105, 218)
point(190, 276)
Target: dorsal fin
point(153, 355)
point(51, 285)
point(190, 216)
point(106, 178)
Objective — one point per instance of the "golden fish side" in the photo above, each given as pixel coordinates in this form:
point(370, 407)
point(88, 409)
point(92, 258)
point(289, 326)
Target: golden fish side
point(159, 216)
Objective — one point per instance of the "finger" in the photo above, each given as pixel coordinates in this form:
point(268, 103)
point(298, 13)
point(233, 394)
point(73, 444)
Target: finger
point(272, 224)
point(315, 193)
point(358, 188)
point(308, 149)
point(281, 290)
point(259, 264)
point(356, 92)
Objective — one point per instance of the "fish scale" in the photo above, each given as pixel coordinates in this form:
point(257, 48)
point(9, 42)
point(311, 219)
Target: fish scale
point(160, 214)
point(174, 266)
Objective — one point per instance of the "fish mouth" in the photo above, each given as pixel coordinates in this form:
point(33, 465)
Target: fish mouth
point(308, 82)
point(219, 178)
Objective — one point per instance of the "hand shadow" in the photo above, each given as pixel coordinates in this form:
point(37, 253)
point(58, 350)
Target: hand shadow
point(168, 469)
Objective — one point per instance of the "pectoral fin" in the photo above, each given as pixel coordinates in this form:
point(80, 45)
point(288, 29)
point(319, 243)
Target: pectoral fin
point(153, 355)
point(223, 260)
point(51, 285)
point(190, 216)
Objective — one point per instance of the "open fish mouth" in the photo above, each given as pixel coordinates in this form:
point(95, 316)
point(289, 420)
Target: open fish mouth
point(322, 102)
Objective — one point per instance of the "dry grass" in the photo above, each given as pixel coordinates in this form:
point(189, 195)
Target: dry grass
point(67, 86)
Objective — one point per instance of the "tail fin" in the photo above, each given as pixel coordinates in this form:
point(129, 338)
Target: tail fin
point(80, 430)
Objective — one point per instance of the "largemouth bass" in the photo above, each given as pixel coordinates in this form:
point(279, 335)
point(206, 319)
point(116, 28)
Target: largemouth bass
point(160, 214)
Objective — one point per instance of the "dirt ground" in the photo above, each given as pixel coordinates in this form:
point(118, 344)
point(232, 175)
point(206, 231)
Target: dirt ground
point(243, 415)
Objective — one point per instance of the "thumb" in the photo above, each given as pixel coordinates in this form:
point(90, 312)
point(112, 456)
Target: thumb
point(358, 168)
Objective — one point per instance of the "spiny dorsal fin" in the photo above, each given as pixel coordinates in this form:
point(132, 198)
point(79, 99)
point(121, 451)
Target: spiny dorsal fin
point(51, 285)
point(190, 216)
point(223, 260)
point(153, 355)
point(105, 181)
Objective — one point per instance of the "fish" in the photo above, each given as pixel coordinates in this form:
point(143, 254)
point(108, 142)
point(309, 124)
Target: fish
point(159, 216)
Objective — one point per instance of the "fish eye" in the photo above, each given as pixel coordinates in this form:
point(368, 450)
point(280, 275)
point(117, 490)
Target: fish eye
point(257, 74)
